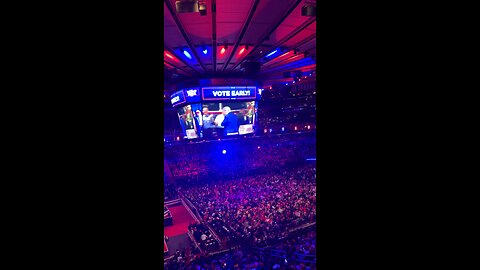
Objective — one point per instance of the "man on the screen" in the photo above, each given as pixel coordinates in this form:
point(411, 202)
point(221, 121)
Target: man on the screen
point(242, 117)
point(188, 117)
point(199, 122)
point(207, 119)
point(230, 123)
point(250, 111)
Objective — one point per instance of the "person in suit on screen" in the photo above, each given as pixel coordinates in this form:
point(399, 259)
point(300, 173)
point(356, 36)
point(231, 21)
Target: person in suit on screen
point(230, 123)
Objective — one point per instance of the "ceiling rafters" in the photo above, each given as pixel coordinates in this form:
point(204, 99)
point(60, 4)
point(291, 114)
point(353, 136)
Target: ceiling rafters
point(283, 61)
point(308, 50)
point(291, 35)
point(305, 41)
point(179, 58)
point(269, 33)
point(214, 34)
point(293, 65)
point(301, 43)
point(173, 65)
point(182, 31)
point(242, 33)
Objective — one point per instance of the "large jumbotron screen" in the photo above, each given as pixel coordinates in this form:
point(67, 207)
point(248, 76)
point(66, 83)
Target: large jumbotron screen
point(216, 112)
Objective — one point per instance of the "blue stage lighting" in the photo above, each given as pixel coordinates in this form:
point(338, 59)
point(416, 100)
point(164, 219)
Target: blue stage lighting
point(283, 129)
point(205, 51)
point(270, 54)
point(187, 54)
point(224, 152)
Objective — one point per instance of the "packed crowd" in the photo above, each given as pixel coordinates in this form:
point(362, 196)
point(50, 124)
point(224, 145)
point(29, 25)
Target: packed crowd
point(296, 252)
point(259, 209)
point(263, 189)
point(203, 161)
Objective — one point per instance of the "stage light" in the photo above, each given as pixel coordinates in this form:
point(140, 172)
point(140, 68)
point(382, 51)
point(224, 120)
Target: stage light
point(202, 8)
point(224, 151)
point(205, 51)
point(270, 54)
point(295, 128)
point(178, 138)
point(286, 83)
point(265, 131)
point(241, 51)
point(258, 147)
point(168, 55)
point(164, 140)
point(270, 130)
point(187, 54)
point(308, 127)
point(224, 49)
point(293, 81)
point(283, 129)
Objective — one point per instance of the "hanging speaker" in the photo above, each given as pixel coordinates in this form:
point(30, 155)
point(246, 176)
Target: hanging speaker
point(186, 6)
point(309, 11)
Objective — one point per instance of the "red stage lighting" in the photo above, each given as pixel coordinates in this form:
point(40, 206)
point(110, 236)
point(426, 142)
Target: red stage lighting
point(169, 56)
point(241, 51)
point(222, 51)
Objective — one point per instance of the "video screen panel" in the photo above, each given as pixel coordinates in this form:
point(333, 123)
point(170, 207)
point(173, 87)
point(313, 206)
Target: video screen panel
point(190, 121)
point(218, 119)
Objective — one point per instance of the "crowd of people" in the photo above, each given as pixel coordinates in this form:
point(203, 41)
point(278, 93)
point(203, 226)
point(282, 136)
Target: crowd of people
point(203, 161)
point(257, 209)
point(295, 252)
point(253, 195)
point(203, 236)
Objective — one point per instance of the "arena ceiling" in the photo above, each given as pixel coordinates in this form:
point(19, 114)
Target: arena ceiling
point(234, 32)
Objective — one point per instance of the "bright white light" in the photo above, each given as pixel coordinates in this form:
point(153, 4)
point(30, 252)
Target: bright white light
point(283, 129)
point(224, 152)
point(271, 53)
point(187, 54)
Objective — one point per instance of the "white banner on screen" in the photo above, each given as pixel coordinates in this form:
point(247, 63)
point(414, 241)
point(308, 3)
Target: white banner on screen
point(245, 129)
point(191, 134)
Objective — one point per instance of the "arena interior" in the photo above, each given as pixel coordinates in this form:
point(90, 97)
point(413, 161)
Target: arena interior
point(240, 134)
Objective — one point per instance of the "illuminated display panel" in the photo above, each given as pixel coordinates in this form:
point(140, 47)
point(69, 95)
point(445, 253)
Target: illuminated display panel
point(229, 92)
point(218, 119)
